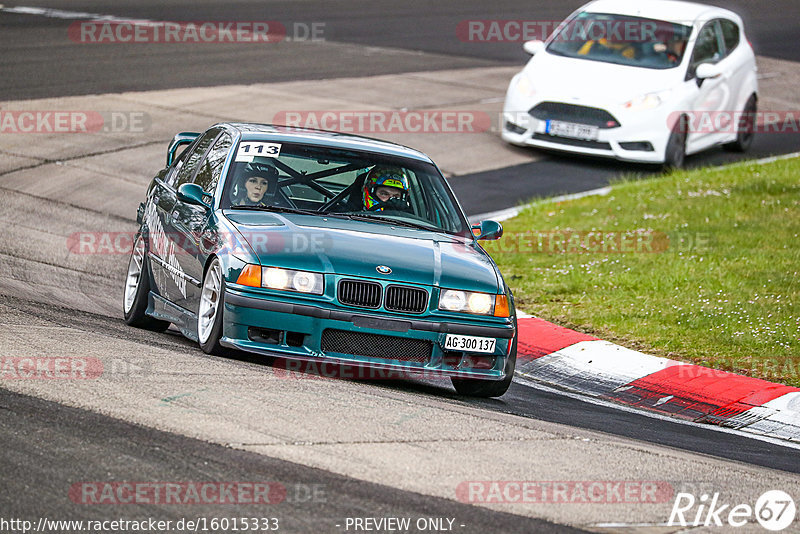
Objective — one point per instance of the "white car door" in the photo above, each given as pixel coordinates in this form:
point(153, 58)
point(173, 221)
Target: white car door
point(713, 99)
point(742, 63)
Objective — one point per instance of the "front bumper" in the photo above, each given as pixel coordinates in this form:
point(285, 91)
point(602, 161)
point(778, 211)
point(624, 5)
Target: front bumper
point(641, 137)
point(320, 332)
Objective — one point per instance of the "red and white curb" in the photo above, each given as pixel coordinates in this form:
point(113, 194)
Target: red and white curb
point(585, 364)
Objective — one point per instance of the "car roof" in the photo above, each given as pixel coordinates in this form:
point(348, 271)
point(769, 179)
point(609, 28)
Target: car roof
point(289, 134)
point(676, 11)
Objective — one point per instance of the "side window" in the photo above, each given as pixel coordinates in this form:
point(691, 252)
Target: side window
point(194, 155)
point(172, 174)
point(730, 34)
point(414, 194)
point(706, 49)
point(434, 204)
point(211, 169)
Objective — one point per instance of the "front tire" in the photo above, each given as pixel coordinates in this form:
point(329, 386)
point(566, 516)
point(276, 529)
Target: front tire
point(137, 289)
point(745, 130)
point(473, 387)
point(211, 309)
point(675, 153)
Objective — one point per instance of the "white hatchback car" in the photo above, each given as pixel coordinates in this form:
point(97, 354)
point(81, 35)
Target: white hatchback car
point(637, 81)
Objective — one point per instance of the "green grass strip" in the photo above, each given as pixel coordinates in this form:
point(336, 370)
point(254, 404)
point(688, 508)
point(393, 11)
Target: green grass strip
point(700, 266)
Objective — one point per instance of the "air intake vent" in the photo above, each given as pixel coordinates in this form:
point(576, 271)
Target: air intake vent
point(376, 346)
point(406, 299)
point(559, 111)
point(361, 294)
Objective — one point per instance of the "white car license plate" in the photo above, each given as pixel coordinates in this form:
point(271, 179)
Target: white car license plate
point(572, 129)
point(469, 343)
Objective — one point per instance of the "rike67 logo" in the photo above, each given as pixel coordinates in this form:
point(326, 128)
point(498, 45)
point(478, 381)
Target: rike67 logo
point(774, 510)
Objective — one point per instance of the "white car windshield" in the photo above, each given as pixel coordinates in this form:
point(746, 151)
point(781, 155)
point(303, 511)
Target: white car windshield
point(620, 39)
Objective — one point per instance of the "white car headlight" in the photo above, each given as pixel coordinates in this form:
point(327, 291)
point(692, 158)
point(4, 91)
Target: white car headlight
point(525, 86)
point(287, 279)
point(466, 301)
point(646, 101)
point(480, 303)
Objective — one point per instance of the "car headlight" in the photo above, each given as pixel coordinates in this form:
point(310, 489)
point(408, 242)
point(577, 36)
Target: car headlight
point(524, 85)
point(473, 302)
point(284, 279)
point(302, 281)
point(647, 101)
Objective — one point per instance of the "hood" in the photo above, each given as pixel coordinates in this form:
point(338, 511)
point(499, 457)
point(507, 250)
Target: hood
point(595, 83)
point(356, 248)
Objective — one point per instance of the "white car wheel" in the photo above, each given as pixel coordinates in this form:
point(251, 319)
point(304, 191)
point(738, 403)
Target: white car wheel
point(134, 275)
point(210, 302)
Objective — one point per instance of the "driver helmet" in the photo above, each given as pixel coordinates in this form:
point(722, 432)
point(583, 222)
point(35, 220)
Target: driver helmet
point(381, 176)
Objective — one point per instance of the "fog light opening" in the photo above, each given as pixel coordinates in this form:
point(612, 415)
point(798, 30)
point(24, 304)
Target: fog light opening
point(480, 362)
point(265, 335)
point(295, 339)
point(452, 359)
point(514, 128)
point(641, 146)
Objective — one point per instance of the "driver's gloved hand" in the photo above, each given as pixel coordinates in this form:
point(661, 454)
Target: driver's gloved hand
point(397, 204)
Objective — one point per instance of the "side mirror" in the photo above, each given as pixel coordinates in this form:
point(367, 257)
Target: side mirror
point(192, 194)
point(707, 70)
point(488, 230)
point(533, 47)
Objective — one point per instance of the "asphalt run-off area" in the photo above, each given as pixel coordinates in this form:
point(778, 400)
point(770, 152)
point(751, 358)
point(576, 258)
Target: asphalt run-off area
point(108, 428)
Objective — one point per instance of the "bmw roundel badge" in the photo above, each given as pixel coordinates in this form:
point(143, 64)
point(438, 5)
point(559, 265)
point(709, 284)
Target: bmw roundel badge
point(383, 269)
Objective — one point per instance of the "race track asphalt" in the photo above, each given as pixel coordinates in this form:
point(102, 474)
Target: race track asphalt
point(378, 449)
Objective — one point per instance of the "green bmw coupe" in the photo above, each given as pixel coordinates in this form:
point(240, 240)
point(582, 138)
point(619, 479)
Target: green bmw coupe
point(320, 247)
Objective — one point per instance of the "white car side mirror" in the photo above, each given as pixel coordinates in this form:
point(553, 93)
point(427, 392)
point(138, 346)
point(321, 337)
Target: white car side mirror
point(708, 70)
point(533, 47)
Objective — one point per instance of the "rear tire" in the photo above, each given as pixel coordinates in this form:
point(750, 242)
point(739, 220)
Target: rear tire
point(473, 387)
point(745, 130)
point(211, 310)
point(675, 153)
point(137, 290)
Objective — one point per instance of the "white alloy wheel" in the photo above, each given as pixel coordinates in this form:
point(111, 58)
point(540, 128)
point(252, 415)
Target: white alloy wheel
point(210, 301)
point(134, 274)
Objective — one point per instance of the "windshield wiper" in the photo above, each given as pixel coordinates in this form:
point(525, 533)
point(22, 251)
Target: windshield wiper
point(286, 209)
point(276, 209)
point(367, 217)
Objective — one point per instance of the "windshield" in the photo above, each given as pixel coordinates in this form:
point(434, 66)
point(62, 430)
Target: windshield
point(624, 40)
point(379, 188)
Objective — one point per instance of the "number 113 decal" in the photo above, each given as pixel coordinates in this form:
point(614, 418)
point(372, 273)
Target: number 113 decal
point(249, 149)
